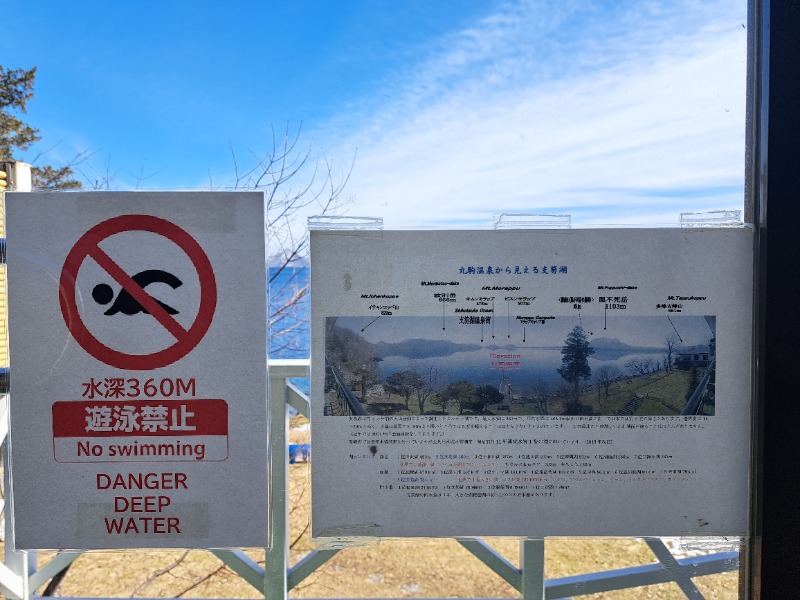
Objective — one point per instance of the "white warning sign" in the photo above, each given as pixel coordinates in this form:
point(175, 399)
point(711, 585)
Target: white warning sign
point(137, 329)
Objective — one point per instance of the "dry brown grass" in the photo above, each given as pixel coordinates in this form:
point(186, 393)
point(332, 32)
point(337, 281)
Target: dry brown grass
point(427, 568)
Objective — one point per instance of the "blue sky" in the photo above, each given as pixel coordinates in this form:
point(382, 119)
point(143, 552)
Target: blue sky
point(617, 112)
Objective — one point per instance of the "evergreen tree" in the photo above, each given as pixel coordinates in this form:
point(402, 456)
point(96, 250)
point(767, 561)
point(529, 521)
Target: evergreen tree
point(463, 394)
point(575, 360)
point(16, 89)
point(487, 395)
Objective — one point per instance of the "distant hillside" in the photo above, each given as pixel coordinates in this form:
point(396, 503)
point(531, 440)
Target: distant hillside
point(280, 259)
point(611, 349)
point(692, 349)
point(605, 343)
point(418, 348)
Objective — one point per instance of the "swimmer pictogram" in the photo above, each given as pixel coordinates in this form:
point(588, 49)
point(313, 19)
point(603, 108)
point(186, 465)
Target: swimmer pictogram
point(133, 298)
point(126, 303)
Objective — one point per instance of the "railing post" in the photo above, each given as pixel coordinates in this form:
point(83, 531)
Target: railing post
point(21, 564)
point(277, 557)
point(532, 566)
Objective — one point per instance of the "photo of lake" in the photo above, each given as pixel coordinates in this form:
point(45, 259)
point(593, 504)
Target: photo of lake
point(588, 365)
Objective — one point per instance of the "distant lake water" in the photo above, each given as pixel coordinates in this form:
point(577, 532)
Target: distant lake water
point(482, 367)
point(291, 337)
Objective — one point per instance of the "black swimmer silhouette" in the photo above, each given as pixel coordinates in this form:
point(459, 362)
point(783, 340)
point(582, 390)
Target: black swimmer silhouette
point(127, 304)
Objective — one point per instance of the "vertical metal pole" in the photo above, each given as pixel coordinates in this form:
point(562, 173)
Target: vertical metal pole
point(756, 131)
point(777, 543)
point(532, 564)
point(277, 557)
point(22, 564)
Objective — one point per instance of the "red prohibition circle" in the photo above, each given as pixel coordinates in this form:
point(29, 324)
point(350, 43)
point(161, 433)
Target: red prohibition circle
point(88, 246)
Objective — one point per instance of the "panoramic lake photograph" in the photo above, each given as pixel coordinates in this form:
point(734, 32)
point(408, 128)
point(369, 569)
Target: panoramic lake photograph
point(615, 365)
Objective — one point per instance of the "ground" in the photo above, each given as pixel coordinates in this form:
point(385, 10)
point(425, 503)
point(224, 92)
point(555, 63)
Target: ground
point(656, 394)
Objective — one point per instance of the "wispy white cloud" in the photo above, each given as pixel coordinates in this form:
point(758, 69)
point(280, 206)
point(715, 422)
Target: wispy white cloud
point(626, 112)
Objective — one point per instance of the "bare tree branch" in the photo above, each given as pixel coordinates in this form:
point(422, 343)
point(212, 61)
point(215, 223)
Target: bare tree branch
point(201, 581)
point(159, 572)
point(297, 183)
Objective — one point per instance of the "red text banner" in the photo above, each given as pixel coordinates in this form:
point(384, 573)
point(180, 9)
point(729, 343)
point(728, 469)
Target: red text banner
point(140, 431)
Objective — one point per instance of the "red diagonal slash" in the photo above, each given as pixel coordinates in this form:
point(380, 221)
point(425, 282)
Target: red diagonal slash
point(88, 246)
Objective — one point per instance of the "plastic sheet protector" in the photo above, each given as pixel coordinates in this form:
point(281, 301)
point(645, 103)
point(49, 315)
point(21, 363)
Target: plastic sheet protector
point(138, 348)
point(531, 382)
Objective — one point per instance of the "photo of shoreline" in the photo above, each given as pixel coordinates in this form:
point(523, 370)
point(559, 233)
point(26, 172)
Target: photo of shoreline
point(568, 366)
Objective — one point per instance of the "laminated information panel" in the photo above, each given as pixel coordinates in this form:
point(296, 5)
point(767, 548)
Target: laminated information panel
point(531, 383)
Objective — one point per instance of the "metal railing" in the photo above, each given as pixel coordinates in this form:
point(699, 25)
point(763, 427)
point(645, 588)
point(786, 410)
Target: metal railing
point(20, 577)
point(345, 403)
point(694, 406)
